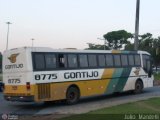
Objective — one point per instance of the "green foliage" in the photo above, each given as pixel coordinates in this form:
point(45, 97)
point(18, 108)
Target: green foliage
point(149, 44)
point(157, 76)
point(129, 46)
point(146, 106)
point(145, 42)
point(96, 47)
point(116, 39)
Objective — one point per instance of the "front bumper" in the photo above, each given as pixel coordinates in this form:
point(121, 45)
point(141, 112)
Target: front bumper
point(19, 98)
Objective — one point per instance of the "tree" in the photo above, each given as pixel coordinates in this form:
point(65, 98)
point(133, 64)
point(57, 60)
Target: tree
point(116, 39)
point(96, 47)
point(146, 42)
point(151, 45)
point(129, 46)
point(156, 52)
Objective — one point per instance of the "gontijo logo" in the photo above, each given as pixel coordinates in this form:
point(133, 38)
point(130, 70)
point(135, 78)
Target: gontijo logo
point(13, 57)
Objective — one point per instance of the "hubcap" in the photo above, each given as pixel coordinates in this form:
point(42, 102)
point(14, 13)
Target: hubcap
point(72, 96)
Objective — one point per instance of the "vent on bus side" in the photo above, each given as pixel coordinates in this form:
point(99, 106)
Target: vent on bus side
point(44, 91)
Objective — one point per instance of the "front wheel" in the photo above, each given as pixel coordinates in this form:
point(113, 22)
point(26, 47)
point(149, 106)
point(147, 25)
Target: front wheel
point(138, 87)
point(72, 95)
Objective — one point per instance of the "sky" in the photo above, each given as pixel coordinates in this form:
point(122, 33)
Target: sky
point(72, 23)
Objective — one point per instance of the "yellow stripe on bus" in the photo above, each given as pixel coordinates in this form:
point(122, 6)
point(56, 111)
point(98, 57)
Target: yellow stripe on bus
point(57, 91)
point(19, 89)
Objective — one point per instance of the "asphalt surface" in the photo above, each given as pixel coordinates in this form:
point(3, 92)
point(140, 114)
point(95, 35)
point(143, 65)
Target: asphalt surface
point(84, 105)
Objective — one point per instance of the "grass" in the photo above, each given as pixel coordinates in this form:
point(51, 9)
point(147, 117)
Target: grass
point(147, 106)
point(150, 106)
point(157, 76)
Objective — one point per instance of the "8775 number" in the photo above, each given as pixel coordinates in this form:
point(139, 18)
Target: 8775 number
point(45, 76)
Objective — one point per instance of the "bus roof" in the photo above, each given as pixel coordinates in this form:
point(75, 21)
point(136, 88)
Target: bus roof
point(48, 49)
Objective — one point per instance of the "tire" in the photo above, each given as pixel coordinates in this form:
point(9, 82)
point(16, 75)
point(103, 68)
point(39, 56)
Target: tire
point(1, 87)
point(72, 95)
point(138, 87)
point(1, 90)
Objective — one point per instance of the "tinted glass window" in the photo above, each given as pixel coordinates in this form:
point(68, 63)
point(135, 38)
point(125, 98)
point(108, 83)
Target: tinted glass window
point(109, 60)
point(39, 61)
point(124, 60)
point(101, 60)
point(50, 60)
point(137, 60)
point(83, 61)
point(117, 60)
point(92, 60)
point(131, 60)
point(62, 60)
point(72, 61)
point(145, 57)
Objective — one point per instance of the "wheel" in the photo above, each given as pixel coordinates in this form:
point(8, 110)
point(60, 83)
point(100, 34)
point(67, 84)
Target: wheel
point(1, 87)
point(138, 87)
point(1, 90)
point(72, 95)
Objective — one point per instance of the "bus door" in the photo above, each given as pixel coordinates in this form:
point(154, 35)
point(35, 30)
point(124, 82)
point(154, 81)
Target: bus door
point(149, 71)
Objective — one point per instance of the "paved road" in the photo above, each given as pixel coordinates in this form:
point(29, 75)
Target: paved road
point(85, 105)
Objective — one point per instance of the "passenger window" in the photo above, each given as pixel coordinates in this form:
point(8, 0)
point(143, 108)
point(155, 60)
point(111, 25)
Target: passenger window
point(117, 60)
point(131, 60)
point(124, 60)
point(62, 61)
point(92, 60)
point(101, 60)
point(72, 61)
point(83, 61)
point(109, 60)
point(145, 58)
point(50, 60)
point(39, 61)
point(137, 60)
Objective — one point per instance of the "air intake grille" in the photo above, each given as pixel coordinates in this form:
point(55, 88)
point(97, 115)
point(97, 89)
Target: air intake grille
point(44, 91)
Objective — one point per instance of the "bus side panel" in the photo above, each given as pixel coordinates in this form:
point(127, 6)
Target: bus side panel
point(87, 87)
point(15, 83)
point(138, 73)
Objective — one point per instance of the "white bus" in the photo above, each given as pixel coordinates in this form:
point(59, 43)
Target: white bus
point(45, 74)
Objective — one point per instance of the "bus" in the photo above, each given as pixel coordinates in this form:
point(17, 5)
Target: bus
point(1, 83)
point(45, 74)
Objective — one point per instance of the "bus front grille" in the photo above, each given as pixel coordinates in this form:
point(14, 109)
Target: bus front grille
point(44, 91)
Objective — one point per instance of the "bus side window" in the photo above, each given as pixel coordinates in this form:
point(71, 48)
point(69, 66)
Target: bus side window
point(83, 60)
point(72, 61)
point(101, 60)
point(39, 63)
point(62, 61)
point(109, 60)
point(145, 58)
point(131, 60)
point(137, 60)
point(50, 60)
point(117, 60)
point(124, 60)
point(92, 60)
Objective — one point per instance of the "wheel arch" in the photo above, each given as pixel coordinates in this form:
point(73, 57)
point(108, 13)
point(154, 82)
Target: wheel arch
point(76, 86)
point(140, 80)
